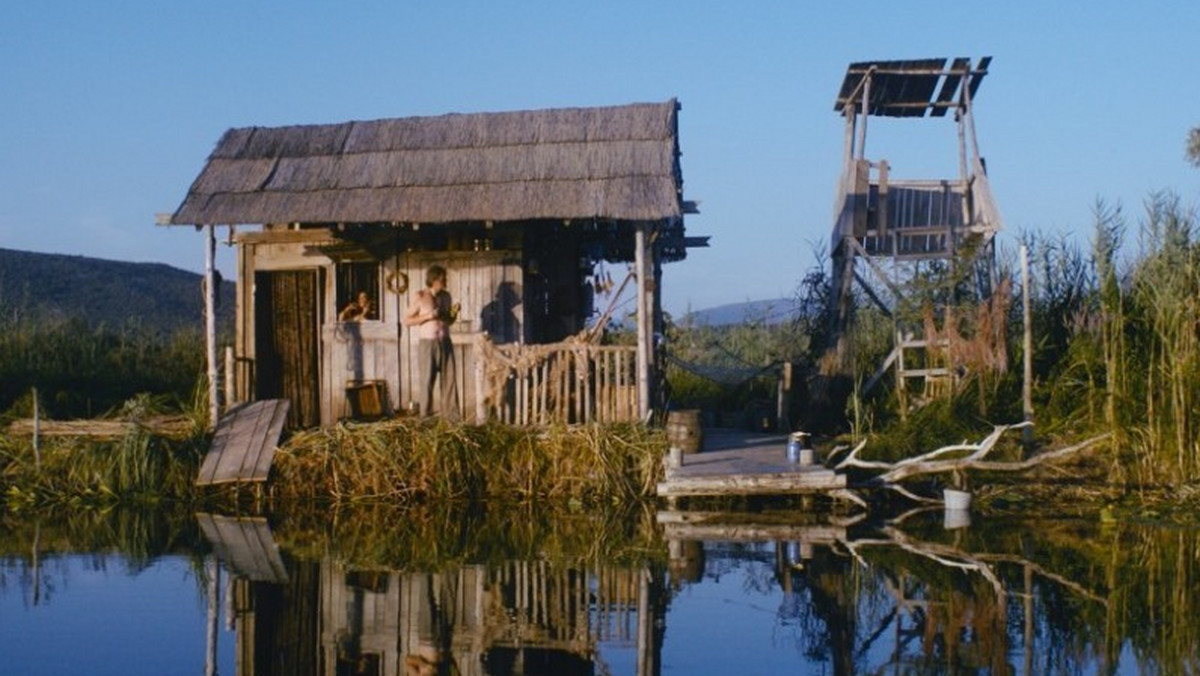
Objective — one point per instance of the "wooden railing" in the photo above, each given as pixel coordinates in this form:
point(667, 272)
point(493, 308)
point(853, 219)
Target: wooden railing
point(916, 218)
point(569, 382)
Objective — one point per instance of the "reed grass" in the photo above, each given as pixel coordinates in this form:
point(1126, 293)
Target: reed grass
point(138, 468)
point(403, 461)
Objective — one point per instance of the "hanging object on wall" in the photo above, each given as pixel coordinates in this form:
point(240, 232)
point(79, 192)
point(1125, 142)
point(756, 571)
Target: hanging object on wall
point(397, 282)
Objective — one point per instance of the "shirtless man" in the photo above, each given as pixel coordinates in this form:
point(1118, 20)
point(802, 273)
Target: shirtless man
point(431, 314)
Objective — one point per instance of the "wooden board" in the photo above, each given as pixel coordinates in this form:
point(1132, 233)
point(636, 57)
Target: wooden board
point(244, 444)
point(746, 465)
point(246, 546)
point(720, 527)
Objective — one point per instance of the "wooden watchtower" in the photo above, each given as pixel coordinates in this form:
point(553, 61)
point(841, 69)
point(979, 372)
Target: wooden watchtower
point(889, 232)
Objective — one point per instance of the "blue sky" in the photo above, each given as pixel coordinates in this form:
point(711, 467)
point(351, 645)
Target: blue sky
point(110, 108)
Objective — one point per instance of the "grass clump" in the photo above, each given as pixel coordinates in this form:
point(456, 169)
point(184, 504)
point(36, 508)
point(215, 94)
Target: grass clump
point(405, 461)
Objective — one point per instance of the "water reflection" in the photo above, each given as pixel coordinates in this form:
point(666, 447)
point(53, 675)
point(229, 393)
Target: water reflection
point(667, 593)
point(521, 617)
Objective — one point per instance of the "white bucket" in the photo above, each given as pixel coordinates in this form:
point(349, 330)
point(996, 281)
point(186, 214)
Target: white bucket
point(956, 499)
point(956, 518)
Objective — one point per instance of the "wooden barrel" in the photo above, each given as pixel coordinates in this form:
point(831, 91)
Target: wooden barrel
point(684, 430)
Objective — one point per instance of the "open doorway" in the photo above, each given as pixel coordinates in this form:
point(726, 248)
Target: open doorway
point(287, 337)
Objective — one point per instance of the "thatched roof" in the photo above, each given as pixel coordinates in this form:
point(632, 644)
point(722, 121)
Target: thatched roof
point(618, 162)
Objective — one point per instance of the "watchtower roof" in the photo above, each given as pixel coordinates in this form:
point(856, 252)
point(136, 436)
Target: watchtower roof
point(910, 88)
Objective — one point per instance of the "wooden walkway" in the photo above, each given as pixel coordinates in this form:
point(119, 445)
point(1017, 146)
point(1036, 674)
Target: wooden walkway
point(245, 545)
point(737, 463)
point(244, 445)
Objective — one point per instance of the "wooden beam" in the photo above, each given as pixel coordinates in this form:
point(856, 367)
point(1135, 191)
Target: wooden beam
point(644, 337)
point(1027, 346)
point(210, 323)
point(854, 243)
point(872, 295)
point(879, 372)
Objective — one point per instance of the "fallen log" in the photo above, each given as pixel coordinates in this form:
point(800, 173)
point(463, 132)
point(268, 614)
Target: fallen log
point(174, 426)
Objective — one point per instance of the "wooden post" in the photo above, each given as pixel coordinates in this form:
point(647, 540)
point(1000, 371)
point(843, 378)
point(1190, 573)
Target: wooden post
point(881, 207)
point(1027, 387)
point(641, 265)
point(37, 432)
point(783, 403)
point(866, 112)
point(37, 562)
point(480, 386)
point(214, 577)
point(230, 390)
point(851, 129)
point(210, 322)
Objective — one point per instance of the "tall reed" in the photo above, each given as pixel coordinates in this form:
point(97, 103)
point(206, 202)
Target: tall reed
point(1164, 299)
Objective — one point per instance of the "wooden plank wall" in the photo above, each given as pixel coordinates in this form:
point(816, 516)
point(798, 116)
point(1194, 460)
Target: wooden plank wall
point(357, 352)
point(487, 285)
point(474, 280)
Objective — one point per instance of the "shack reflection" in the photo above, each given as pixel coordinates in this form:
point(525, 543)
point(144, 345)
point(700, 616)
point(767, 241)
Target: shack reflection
point(520, 617)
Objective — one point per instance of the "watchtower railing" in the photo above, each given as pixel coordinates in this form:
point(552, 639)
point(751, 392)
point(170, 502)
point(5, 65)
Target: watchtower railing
point(568, 382)
point(910, 218)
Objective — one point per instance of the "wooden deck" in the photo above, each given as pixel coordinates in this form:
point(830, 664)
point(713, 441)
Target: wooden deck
point(244, 444)
point(737, 463)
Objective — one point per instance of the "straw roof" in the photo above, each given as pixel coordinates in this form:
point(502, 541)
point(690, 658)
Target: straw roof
point(618, 162)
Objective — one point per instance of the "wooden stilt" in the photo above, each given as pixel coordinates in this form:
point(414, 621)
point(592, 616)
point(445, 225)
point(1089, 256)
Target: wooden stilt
point(210, 323)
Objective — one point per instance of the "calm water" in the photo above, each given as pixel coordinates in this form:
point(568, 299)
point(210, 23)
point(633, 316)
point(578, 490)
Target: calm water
point(429, 594)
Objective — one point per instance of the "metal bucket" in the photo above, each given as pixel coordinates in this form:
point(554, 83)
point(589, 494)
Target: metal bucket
point(797, 449)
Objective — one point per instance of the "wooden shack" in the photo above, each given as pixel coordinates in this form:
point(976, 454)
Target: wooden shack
point(535, 215)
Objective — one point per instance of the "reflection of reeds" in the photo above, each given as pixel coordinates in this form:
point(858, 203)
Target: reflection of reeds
point(432, 537)
point(1155, 597)
point(139, 534)
point(403, 461)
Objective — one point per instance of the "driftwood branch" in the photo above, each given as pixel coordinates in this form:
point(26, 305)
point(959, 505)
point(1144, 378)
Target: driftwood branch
point(934, 462)
point(953, 557)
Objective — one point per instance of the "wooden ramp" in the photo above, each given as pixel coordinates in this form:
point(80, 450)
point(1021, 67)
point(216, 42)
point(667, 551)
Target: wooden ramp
point(245, 545)
point(737, 463)
point(244, 445)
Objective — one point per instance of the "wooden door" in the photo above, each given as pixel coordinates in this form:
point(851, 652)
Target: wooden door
point(287, 325)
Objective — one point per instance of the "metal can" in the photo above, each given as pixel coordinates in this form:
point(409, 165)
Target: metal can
point(793, 449)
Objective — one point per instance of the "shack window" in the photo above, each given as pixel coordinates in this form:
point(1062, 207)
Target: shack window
point(358, 291)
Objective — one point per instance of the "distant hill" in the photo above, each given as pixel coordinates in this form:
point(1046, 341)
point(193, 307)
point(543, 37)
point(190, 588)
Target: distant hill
point(152, 295)
point(772, 311)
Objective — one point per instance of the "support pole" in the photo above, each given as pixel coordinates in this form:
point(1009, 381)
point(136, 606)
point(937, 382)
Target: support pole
point(866, 112)
point(641, 264)
point(1027, 386)
point(37, 432)
point(210, 322)
point(230, 378)
point(214, 586)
